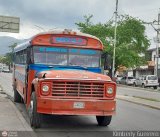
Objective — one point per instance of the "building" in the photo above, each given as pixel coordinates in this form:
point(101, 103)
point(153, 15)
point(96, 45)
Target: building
point(149, 68)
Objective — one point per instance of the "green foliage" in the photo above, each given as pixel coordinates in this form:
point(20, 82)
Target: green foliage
point(8, 58)
point(131, 38)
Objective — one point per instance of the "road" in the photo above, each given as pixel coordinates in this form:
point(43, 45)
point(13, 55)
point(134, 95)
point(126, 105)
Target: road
point(129, 117)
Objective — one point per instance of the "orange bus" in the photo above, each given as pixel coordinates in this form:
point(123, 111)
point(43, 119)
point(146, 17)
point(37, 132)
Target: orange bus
point(59, 73)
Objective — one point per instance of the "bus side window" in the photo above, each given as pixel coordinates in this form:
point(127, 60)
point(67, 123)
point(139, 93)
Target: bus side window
point(25, 57)
point(20, 57)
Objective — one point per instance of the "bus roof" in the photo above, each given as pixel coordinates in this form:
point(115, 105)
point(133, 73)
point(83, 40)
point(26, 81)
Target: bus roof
point(67, 31)
point(45, 39)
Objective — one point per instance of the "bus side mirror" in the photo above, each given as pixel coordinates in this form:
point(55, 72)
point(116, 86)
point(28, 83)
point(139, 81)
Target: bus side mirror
point(107, 61)
point(29, 56)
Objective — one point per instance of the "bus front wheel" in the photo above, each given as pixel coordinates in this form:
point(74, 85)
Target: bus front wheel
point(35, 118)
point(104, 120)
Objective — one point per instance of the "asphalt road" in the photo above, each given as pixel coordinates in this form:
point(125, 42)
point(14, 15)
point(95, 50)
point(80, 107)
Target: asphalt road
point(129, 117)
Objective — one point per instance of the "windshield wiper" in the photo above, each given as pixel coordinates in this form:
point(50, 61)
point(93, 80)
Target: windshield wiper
point(51, 66)
point(85, 68)
point(71, 67)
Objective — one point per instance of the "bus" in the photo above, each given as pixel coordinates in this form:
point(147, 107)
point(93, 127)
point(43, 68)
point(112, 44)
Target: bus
point(59, 73)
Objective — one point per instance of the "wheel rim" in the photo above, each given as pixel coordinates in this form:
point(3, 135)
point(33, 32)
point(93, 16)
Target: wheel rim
point(31, 109)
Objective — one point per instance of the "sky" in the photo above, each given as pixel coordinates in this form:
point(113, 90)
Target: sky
point(43, 15)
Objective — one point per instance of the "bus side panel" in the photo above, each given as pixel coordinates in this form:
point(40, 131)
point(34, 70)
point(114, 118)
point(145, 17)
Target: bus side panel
point(20, 79)
point(31, 76)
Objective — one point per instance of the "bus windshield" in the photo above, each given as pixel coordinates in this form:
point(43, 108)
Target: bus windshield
point(66, 56)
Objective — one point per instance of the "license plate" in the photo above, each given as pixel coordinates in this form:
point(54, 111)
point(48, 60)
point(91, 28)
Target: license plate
point(78, 105)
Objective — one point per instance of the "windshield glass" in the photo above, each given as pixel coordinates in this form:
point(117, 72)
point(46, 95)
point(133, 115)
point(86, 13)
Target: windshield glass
point(152, 78)
point(66, 56)
point(130, 78)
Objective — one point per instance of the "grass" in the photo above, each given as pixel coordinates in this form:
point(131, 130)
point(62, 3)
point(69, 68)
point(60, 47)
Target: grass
point(150, 99)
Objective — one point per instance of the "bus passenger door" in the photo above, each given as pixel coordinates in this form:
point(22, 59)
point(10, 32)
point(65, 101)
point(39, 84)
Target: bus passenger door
point(28, 58)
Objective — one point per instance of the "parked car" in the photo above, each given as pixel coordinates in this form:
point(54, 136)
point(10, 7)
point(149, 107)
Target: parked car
point(1, 69)
point(147, 81)
point(118, 78)
point(5, 69)
point(127, 80)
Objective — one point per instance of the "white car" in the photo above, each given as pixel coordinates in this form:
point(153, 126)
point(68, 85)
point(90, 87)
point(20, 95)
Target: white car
point(147, 81)
point(1, 69)
point(118, 79)
point(5, 69)
point(127, 80)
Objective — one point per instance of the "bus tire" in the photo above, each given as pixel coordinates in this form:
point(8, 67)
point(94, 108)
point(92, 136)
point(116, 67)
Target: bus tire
point(155, 87)
point(16, 96)
point(134, 84)
point(143, 86)
point(104, 120)
point(34, 116)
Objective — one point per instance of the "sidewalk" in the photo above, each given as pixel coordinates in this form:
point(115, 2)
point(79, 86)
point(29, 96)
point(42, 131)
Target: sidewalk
point(140, 88)
point(10, 117)
point(140, 101)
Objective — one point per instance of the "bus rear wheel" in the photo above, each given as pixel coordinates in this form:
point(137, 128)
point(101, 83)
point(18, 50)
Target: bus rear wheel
point(104, 120)
point(35, 117)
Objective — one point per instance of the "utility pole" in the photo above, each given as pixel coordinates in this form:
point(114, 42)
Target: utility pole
point(158, 44)
point(115, 39)
point(156, 26)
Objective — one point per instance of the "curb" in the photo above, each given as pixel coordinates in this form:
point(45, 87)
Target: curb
point(138, 103)
point(19, 115)
point(21, 118)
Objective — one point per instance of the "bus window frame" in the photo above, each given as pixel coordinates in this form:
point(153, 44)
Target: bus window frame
point(30, 59)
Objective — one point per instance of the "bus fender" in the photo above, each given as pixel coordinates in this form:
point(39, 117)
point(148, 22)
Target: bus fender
point(34, 86)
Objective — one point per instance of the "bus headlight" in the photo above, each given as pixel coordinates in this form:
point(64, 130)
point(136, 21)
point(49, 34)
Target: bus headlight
point(109, 90)
point(45, 88)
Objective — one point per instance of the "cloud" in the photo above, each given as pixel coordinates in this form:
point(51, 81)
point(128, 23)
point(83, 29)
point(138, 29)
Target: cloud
point(64, 14)
point(57, 12)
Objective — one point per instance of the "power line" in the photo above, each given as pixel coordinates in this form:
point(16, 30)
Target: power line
point(111, 19)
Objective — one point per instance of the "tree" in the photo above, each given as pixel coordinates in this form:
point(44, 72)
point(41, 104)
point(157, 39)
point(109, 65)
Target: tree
point(8, 58)
point(131, 39)
point(11, 47)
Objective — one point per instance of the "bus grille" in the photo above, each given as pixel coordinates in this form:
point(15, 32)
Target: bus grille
point(78, 89)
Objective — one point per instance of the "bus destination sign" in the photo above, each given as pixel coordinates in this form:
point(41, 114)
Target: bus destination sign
point(69, 40)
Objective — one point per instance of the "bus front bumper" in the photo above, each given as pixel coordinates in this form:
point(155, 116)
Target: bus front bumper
point(76, 106)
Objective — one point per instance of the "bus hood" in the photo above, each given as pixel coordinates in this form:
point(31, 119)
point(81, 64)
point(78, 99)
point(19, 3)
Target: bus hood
point(72, 74)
